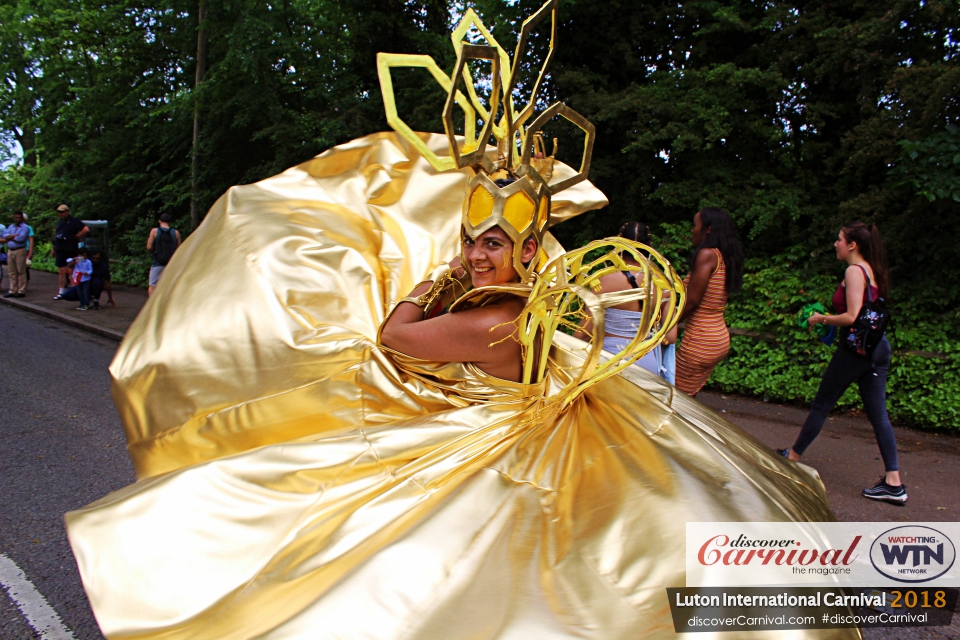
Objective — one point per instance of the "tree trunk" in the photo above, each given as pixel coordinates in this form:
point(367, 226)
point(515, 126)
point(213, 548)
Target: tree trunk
point(27, 138)
point(201, 70)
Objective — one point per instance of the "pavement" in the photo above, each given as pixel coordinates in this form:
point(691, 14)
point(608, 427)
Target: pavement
point(62, 447)
point(109, 322)
point(848, 459)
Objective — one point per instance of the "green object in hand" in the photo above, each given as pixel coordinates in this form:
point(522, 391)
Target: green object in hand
point(808, 310)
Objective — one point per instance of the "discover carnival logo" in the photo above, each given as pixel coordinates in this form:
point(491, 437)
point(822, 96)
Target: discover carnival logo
point(912, 554)
point(744, 551)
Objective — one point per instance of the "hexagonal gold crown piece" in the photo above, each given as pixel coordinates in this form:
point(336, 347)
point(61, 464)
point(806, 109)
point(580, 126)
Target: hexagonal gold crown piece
point(521, 207)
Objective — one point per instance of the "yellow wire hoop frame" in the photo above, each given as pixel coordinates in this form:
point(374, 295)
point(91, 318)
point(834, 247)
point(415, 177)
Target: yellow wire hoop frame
point(570, 285)
point(567, 291)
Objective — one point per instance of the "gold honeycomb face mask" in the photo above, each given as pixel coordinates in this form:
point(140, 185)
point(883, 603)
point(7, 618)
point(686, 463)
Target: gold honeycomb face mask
point(520, 208)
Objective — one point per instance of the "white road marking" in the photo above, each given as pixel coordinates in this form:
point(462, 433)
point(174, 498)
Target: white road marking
point(31, 603)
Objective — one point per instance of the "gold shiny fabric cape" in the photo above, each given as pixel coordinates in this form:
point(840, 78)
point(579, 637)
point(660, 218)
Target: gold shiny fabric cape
point(298, 481)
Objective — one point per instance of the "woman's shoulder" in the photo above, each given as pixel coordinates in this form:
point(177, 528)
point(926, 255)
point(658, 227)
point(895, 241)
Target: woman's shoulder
point(856, 272)
point(708, 257)
point(710, 254)
point(490, 308)
point(615, 282)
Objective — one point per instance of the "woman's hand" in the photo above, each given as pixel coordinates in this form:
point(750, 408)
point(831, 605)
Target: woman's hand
point(457, 268)
point(815, 319)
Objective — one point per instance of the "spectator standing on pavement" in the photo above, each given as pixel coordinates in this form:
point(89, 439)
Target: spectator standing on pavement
point(30, 246)
point(99, 282)
point(3, 253)
point(163, 241)
point(82, 270)
point(17, 237)
point(70, 231)
point(716, 271)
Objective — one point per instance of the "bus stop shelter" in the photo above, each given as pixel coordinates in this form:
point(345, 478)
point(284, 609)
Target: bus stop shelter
point(99, 238)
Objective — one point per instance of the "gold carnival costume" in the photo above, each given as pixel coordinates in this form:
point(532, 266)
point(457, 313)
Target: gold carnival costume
point(298, 480)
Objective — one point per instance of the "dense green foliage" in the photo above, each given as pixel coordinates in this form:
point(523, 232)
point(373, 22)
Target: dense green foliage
point(795, 116)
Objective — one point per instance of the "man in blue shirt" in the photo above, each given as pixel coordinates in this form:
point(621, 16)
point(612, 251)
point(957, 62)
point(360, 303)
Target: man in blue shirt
point(17, 236)
point(3, 253)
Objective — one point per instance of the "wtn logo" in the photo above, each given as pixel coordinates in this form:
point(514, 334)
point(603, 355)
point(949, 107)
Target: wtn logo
point(897, 554)
point(912, 554)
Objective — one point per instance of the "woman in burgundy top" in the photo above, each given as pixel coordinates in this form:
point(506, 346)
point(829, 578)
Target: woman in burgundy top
point(860, 247)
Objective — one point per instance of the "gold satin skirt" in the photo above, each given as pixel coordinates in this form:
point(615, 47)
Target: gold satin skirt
point(299, 481)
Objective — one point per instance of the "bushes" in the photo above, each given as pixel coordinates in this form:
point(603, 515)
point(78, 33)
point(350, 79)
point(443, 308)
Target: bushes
point(42, 260)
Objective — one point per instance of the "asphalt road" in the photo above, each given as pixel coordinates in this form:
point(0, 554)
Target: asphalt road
point(62, 447)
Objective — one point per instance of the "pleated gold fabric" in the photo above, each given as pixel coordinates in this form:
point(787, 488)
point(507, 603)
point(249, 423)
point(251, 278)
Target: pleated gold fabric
point(268, 312)
point(299, 481)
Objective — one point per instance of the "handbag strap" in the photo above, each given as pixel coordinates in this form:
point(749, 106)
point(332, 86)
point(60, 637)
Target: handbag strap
point(869, 292)
point(632, 279)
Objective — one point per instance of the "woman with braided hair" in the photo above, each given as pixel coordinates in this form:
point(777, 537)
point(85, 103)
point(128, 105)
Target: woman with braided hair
point(623, 320)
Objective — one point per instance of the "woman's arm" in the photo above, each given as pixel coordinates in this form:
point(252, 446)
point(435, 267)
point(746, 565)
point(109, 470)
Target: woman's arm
point(671, 336)
point(855, 285)
point(480, 336)
point(464, 336)
point(704, 266)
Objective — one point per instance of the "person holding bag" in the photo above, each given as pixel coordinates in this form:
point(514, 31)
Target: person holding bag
point(862, 355)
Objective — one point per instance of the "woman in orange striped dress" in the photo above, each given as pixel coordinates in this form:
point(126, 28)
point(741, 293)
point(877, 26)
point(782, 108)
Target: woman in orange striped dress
point(716, 271)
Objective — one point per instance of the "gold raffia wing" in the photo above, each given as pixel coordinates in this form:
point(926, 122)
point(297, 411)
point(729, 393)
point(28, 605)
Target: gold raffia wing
point(268, 313)
point(567, 291)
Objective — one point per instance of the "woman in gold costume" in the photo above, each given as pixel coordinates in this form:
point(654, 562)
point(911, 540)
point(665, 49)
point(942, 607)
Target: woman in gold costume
point(310, 469)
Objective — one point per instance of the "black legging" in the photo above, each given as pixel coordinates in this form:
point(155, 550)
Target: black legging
point(844, 369)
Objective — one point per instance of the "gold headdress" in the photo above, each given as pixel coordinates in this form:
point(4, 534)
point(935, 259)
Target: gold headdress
point(521, 208)
point(565, 291)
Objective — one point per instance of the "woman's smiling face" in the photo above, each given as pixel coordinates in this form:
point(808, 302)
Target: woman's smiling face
point(489, 257)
